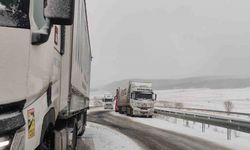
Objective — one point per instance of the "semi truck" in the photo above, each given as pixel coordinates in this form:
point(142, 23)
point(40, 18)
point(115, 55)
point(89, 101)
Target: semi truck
point(136, 99)
point(108, 101)
point(45, 64)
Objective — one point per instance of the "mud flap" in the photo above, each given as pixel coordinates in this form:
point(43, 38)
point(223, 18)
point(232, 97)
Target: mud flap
point(61, 139)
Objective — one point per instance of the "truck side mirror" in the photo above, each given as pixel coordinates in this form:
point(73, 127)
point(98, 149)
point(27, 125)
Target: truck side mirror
point(59, 12)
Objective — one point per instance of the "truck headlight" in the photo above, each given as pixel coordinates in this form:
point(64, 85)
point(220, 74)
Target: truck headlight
point(4, 142)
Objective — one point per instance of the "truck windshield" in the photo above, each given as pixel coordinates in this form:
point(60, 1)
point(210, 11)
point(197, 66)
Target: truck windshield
point(108, 100)
point(14, 13)
point(139, 95)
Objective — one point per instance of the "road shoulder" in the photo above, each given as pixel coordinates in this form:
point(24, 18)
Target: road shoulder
point(99, 137)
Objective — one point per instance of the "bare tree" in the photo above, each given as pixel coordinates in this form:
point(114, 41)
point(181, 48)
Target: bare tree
point(178, 105)
point(228, 106)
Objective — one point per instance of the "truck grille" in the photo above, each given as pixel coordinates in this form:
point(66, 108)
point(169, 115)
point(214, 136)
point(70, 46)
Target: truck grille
point(11, 117)
point(12, 107)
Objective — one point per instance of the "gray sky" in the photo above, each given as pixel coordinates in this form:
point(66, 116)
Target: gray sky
point(168, 38)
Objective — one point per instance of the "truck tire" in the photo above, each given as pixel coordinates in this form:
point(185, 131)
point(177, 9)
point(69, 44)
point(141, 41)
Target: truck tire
point(125, 110)
point(74, 135)
point(131, 112)
point(120, 110)
point(128, 111)
point(81, 123)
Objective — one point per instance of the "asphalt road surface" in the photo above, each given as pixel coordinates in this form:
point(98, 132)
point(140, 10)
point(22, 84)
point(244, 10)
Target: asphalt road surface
point(151, 138)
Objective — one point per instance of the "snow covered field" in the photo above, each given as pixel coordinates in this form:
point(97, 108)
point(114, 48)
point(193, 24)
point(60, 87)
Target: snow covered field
point(239, 141)
point(206, 98)
point(105, 138)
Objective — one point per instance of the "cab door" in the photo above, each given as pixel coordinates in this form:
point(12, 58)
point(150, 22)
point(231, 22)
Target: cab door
point(44, 75)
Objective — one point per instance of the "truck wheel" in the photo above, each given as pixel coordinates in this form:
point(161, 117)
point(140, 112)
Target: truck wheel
point(120, 110)
point(74, 135)
point(48, 140)
point(81, 123)
point(125, 110)
point(128, 112)
point(131, 112)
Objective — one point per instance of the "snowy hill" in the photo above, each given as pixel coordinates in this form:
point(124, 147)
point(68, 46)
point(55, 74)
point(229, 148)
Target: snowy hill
point(188, 83)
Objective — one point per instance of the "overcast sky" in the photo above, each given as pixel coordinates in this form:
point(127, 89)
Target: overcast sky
point(168, 38)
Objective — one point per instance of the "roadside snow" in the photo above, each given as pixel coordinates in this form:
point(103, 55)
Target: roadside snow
point(240, 141)
point(206, 98)
point(105, 138)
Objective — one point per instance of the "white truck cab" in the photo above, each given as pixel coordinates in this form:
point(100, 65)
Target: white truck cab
point(141, 99)
point(136, 99)
point(45, 63)
point(108, 101)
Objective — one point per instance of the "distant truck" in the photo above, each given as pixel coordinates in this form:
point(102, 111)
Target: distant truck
point(108, 101)
point(136, 99)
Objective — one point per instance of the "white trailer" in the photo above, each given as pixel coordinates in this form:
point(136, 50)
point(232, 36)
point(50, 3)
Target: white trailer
point(136, 99)
point(108, 101)
point(45, 60)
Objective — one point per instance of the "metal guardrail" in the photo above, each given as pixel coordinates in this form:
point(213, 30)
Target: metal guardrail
point(209, 110)
point(225, 122)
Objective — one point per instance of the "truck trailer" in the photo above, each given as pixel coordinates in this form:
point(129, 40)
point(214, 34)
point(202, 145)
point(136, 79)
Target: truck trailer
point(136, 99)
point(45, 61)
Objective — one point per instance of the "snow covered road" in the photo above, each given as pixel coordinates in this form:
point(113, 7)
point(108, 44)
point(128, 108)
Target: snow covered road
point(148, 137)
point(99, 137)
